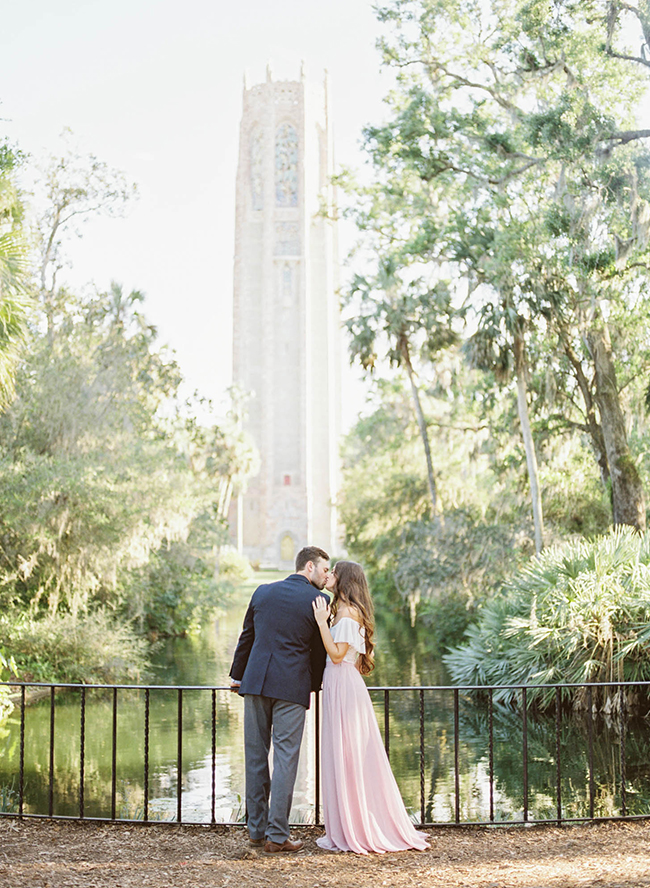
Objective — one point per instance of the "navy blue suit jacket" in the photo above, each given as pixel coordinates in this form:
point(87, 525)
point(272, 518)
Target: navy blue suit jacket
point(280, 652)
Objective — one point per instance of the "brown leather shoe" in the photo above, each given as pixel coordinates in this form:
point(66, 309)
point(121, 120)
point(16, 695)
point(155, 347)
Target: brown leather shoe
point(274, 847)
point(256, 841)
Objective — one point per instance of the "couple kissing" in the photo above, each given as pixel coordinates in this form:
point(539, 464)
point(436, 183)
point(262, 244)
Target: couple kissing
point(293, 640)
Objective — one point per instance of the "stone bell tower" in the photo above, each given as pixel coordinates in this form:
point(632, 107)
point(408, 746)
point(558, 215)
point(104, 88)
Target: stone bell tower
point(286, 322)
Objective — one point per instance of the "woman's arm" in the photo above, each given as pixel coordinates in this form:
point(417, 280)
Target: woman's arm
point(336, 650)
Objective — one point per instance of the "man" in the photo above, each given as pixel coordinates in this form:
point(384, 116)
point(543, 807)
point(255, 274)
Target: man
point(278, 662)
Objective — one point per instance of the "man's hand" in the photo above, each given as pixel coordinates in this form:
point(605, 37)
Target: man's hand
point(234, 686)
point(321, 610)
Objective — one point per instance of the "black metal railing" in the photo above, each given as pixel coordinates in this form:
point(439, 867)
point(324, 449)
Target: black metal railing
point(429, 714)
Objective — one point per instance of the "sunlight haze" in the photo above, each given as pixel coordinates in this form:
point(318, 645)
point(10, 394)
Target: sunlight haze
point(154, 89)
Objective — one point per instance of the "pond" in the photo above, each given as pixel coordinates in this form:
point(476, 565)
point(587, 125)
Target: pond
point(403, 658)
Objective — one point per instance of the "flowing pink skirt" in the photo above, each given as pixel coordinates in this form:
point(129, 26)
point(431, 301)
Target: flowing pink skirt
point(362, 804)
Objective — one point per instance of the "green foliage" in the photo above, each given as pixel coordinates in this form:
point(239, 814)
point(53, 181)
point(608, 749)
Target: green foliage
point(509, 158)
point(383, 489)
point(234, 568)
point(447, 617)
point(444, 566)
point(579, 612)
point(98, 649)
point(8, 799)
point(69, 526)
point(110, 496)
point(411, 317)
point(450, 567)
point(113, 500)
point(7, 669)
point(182, 583)
point(72, 188)
point(93, 480)
point(14, 304)
point(445, 570)
point(575, 502)
point(172, 593)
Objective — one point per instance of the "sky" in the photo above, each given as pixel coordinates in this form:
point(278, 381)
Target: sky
point(154, 89)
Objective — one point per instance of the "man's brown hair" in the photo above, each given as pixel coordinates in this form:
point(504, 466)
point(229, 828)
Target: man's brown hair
point(310, 553)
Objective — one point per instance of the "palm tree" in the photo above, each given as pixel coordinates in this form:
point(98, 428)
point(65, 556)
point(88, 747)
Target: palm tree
point(415, 320)
point(498, 345)
point(13, 276)
point(578, 613)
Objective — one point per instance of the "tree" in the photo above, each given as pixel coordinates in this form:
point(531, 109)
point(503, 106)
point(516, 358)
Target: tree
point(100, 472)
point(14, 304)
point(440, 571)
point(92, 478)
point(511, 155)
point(618, 12)
point(75, 188)
point(412, 319)
point(111, 500)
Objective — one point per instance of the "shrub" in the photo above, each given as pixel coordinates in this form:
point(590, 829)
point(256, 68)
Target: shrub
point(579, 612)
point(89, 648)
point(7, 668)
point(233, 567)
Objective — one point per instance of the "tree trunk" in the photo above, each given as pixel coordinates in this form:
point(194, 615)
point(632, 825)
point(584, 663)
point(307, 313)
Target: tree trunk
point(628, 499)
point(422, 425)
point(529, 445)
point(47, 259)
point(593, 426)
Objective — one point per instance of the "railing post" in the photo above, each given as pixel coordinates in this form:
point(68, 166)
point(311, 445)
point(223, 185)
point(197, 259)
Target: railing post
point(422, 812)
point(590, 722)
point(82, 752)
point(491, 752)
point(317, 757)
point(114, 757)
point(51, 787)
point(213, 786)
point(456, 756)
point(622, 721)
point(21, 776)
point(145, 812)
point(558, 717)
point(179, 758)
point(524, 706)
point(386, 724)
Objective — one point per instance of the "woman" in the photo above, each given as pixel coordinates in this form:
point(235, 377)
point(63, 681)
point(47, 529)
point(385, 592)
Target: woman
point(362, 804)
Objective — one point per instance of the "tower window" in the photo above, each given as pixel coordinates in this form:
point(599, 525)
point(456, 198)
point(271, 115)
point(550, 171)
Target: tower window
point(257, 170)
point(286, 166)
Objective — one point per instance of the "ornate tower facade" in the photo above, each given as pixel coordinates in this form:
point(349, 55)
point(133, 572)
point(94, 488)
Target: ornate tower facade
point(286, 322)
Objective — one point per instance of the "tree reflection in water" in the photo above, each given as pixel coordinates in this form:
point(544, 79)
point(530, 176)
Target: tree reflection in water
point(404, 657)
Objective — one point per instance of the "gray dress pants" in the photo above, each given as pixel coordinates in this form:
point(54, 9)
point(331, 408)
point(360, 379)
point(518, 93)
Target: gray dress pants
point(267, 718)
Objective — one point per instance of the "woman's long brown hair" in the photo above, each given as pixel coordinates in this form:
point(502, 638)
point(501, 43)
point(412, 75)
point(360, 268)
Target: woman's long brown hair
point(352, 588)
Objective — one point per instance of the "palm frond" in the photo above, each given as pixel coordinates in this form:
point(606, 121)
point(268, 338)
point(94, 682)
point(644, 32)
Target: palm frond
point(576, 613)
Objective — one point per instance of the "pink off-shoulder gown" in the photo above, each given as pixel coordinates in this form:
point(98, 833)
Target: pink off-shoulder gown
point(362, 804)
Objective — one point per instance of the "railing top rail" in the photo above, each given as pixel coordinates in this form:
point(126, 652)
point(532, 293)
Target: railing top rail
point(109, 687)
point(371, 688)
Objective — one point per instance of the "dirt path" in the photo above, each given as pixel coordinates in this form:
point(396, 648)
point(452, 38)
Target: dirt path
point(42, 854)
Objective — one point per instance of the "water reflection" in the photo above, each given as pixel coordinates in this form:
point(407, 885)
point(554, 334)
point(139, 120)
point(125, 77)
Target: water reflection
point(403, 658)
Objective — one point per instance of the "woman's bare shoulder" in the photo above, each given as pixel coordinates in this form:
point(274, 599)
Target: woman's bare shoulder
point(350, 611)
